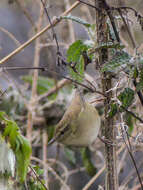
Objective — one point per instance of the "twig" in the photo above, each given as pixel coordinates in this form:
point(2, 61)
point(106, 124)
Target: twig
point(131, 113)
point(129, 177)
point(52, 27)
point(26, 13)
point(11, 36)
point(53, 172)
point(130, 153)
point(108, 10)
point(90, 5)
point(128, 30)
point(38, 178)
point(58, 74)
point(138, 92)
point(59, 85)
point(93, 179)
point(45, 140)
point(70, 24)
point(54, 22)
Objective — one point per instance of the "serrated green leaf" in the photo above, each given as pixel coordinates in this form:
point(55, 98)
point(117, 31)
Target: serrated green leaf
point(113, 110)
point(75, 50)
point(70, 155)
point(126, 97)
point(80, 69)
point(74, 55)
point(86, 157)
point(77, 19)
point(122, 59)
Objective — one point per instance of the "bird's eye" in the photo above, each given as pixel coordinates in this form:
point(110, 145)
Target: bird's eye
point(62, 132)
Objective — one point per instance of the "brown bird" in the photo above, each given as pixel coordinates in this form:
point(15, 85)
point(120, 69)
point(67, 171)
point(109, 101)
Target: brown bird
point(80, 124)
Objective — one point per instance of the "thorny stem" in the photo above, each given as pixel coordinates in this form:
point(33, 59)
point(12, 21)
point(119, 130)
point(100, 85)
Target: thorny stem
point(111, 182)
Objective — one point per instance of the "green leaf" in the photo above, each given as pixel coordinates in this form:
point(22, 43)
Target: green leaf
point(77, 19)
point(135, 73)
point(86, 157)
point(2, 115)
point(11, 130)
point(50, 131)
point(113, 110)
point(129, 122)
point(70, 155)
point(38, 170)
point(75, 50)
point(119, 60)
point(126, 97)
point(74, 55)
point(23, 157)
point(19, 144)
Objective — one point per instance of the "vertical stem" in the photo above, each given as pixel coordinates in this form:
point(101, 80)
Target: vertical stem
point(35, 78)
point(108, 129)
point(45, 141)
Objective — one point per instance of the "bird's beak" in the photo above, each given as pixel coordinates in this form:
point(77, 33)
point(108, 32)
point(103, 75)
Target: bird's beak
point(52, 141)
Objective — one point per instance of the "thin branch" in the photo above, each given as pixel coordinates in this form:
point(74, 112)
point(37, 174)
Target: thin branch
point(131, 113)
point(26, 13)
point(52, 27)
point(108, 10)
point(44, 147)
point(59, 85)
point(70, 24)
point(93, 179)
point(53, 171)
point(58, 74)
point(38, 178)
point(128, 30)
point(138, 92)
point(11, 36)
point(131, 155)
point(54, 22)
point(90, 5)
